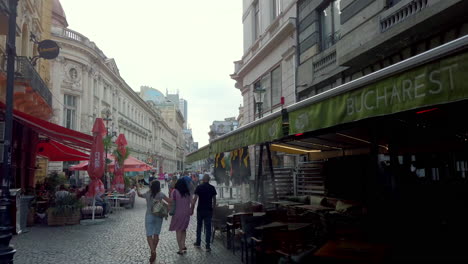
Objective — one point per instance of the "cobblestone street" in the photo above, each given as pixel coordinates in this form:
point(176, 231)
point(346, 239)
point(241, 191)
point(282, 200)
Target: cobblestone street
point(119, 239)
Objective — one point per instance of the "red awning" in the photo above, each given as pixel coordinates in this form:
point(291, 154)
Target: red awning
point(58, 133)
point(55, 151)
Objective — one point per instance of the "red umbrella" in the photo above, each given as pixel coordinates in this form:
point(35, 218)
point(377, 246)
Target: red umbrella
point(97, 159)
point(118, 182)
point(130, 164)
point(134, 164)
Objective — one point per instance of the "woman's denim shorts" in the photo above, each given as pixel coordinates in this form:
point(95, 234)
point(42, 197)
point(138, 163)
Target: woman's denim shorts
point(153, 224)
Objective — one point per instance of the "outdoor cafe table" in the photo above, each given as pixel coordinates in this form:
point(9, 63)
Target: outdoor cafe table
point(283, 236)
point(116, 200)
point(285, 203)
point(287, 226)
point(314, 208)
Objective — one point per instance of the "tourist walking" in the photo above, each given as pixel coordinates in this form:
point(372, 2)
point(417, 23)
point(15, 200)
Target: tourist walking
point(206, 196)
point(153, 223)
point(180, 219)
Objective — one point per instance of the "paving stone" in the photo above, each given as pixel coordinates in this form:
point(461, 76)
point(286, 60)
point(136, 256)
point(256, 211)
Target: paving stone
point(120, 239)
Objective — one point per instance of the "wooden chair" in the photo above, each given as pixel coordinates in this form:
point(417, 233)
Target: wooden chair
point(248, 225)
point(234, 225)
point(266, 244)
point(219, 220)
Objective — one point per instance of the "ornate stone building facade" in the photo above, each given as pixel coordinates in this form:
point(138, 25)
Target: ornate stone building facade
point(87, 84)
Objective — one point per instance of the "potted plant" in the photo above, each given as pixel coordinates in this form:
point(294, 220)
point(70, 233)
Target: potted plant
point(66, 211)
point(53, 180)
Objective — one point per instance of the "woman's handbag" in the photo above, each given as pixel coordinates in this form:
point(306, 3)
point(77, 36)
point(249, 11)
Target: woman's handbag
point(159, 208)
point(173, 208)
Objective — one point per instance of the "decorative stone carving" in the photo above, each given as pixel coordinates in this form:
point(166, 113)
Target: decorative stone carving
point(73, 75)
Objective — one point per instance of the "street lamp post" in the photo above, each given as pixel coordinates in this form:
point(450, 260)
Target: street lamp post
point(6, 229)
point(107, 119)
point(259, 94)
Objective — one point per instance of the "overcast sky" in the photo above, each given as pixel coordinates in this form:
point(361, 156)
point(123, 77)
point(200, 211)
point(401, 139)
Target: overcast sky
point(187, 46)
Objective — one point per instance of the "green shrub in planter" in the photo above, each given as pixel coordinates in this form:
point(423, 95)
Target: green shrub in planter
point(66, 206)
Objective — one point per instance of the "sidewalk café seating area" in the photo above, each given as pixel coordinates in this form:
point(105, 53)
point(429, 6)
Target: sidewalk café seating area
point(293, 229)
point(45, 201)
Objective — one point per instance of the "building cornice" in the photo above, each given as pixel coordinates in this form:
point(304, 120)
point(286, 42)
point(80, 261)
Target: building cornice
point(101, 61)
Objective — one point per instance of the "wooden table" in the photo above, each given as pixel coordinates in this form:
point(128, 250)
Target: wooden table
point(287, 226)
point(286, 203)
point(314, 208)
point(282, 236)
point(353, 251)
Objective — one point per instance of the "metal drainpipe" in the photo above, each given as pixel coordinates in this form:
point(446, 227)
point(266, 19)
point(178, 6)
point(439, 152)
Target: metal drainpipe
point(296, 68)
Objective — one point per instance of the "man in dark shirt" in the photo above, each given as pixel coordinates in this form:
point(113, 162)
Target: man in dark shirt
point(207, 195)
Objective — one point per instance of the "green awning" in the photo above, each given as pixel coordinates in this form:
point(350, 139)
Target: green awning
point(200, 154)
point(439, 82)
point(263, 130)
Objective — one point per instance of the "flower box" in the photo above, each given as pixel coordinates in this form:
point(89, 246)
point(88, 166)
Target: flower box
point(60, 220)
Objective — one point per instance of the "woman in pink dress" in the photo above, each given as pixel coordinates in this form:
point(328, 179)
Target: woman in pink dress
point(180, 219)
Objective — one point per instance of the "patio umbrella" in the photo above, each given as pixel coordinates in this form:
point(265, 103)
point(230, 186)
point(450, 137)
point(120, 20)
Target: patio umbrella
point(130, 164)
point(134, 164)
point(96, 161)
point(119, 168)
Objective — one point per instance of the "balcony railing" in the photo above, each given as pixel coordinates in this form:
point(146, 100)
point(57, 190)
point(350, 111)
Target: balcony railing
point(401, 14)
point(73, 35)
point(4, 7)
point(25, 71)
point(325, 61)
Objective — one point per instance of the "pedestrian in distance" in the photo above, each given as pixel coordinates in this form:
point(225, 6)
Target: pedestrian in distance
point(153, 223)
point(206, 196)
point(182, 211)
point(172, 184)
point(190, 185)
